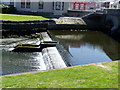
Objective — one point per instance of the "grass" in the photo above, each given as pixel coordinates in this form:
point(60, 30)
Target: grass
point(21, 17)
point(87, 76)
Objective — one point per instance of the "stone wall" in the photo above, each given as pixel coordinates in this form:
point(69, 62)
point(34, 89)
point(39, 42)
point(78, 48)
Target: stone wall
point(77, 13)
point(113, 19)
point(115, 12)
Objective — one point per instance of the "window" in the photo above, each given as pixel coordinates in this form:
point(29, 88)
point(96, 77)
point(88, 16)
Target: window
point(62, 5)
point(22, 3)
point(41, 4)
point(28, 4)
point(12, 2)
point(58, 5)
point(53, 5)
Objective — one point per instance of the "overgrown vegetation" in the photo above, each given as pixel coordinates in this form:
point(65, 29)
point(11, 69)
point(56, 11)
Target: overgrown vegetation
point(21, 17)
point(87, 76)
point(8, 9)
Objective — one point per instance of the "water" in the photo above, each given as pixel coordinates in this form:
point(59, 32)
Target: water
point(76, 48)
point(14, 62)
point(86, 47)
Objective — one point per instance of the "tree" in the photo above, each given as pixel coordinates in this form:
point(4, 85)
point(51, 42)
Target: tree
point(8, 8)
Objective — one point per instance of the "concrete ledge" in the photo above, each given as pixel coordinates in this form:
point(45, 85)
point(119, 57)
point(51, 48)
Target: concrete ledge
point(45, 37)
point(51, 56)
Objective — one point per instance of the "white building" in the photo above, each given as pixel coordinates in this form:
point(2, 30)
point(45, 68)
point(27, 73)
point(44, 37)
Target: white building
point(9, 2)
point(56, 7)
point(115, 4)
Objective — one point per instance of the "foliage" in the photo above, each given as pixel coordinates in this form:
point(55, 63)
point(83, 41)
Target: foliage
point(8, 8)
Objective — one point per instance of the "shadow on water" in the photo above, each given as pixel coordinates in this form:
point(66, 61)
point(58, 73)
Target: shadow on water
point(85, 47)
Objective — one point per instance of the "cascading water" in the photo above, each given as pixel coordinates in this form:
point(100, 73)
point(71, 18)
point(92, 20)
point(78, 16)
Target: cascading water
point(18, 62)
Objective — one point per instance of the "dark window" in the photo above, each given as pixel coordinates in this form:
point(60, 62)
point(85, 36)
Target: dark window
point(58, 5)
point(22, 3)
point(41, 5)
point(28, 4)
point(62, 5)
point(53, 5)
point(12, 2)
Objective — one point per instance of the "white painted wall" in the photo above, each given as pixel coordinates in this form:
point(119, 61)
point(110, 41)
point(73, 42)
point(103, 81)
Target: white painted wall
point(48, 6)
point(118, 4)
point(34, 7)
point(113, 4)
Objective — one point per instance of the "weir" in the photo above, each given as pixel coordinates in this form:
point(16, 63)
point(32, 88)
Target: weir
point(51, 56)
point(28, 62)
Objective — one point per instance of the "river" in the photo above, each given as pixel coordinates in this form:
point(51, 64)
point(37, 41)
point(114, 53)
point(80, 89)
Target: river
point(86, 47)
point(75, 47)
point(17, 62)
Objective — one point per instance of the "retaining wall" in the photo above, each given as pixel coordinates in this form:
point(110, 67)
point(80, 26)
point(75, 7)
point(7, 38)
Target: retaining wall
point(74, 27)
point(113, 19)
point(77, 13)
point(25, 25)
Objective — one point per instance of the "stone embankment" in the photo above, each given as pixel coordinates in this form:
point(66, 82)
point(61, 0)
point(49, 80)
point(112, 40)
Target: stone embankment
point(25, 25)
point(74, 23)
point(112, 19)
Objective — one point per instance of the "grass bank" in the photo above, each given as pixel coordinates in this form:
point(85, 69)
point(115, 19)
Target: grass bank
point(103, 75)
point(21, 17)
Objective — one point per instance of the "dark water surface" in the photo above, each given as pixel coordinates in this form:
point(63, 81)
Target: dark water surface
point(86, 47)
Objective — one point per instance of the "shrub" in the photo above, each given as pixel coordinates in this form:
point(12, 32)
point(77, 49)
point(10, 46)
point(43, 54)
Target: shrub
point(8, 8)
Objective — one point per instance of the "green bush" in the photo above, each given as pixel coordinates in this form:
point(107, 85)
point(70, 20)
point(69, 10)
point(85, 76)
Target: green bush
point(8, 8)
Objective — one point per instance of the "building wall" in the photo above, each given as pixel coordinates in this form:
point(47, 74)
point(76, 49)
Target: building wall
point(34, 7)
point(48, 7)
point(119, 4)
point(67, 6)
point(115, 5)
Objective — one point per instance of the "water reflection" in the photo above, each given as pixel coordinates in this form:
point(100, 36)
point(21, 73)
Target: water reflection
point(85, 47)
